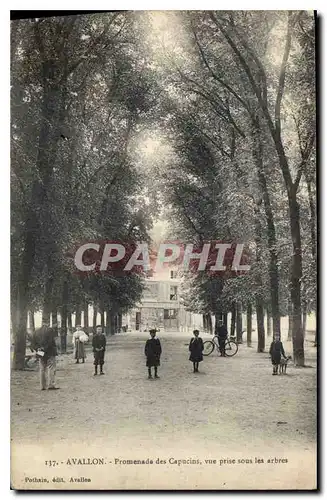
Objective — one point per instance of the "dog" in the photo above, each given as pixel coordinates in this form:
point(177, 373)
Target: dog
point(283, 365)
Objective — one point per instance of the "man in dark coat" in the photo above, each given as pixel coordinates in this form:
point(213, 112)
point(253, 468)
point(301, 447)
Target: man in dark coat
point(44, 343)
point(222, 336)
point(153, 352)
point(276, 352)
point(196, 348)
point(99, 348)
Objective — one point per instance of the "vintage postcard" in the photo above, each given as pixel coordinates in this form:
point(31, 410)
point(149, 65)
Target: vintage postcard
point(163, 251)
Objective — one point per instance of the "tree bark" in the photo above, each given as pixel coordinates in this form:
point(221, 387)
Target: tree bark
point(103, 319)
point(31, 321)
point(233, 320)
point(45, 317)
point(268, 323)
point(209, 323)
point(239, 326)
point(54, 318)
point(113, 322)
point(296, 276)
point(69, 321)
point(95, 316)
point(260, 325)
point(204, 322)
point(86, 317)
point(290, 319)
point(47, 299)
point(64, 317)
point(225, 318)
point(120, 322)
point(271, 231)
point(249, 324)
point(78, 316)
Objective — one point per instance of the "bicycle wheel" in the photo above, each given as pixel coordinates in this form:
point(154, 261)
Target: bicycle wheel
point(231, 348)
point(208, 347)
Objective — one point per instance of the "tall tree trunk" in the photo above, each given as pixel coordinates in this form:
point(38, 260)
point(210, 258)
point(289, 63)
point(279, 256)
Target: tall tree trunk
point(86, 317)
point(108, 322)
point(64, 316)
point(233, 320)
point(46, 317)
point(47, 299)
point(260, 325)
point(14, 318)
point(204, 322)
point(209, 323)
point(78, 316)
point(225, 318)
point(112, 318)
point(120, 322)
point(103, 319)
point(249, 324)
point(95, 317)
point(54, 318)
point(217, 319)
point(259, 283)
point(297, 333)
point(239, 326)
point(31, 321)
point(20, 340)
point(290, 319)
point(69, 322)
point(268, 323)
point(271, 231)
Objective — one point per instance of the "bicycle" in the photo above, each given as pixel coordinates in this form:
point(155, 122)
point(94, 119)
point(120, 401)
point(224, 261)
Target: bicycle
point(231, 347)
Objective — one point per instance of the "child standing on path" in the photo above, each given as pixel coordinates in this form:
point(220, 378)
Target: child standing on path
point(99, 348)
point(196, 348)
point(276, 352)
point(153, 352)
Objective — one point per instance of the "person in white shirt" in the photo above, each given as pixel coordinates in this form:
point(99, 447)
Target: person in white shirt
point(79, 337)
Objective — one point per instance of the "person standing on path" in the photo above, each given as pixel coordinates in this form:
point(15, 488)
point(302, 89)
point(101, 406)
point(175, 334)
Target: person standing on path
point(196, 349)
point(222, 336)
point(78, 343)
point(152, 352)
point(276, 352)
point(46, 350)
point(99, 348)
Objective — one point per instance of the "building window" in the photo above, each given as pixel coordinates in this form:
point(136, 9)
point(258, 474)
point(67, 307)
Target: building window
point(170, 313)
point(173, 274)
point(173, 293)
point(150, 292)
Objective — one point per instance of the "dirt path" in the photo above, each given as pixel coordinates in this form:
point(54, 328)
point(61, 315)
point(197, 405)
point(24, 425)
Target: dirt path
point(231, 405)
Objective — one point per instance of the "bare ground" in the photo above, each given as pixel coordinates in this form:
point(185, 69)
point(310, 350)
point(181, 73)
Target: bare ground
point(233, 407)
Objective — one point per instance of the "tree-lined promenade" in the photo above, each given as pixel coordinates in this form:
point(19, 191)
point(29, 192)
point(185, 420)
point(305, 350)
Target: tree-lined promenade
point(228, 96)
point(233, 408)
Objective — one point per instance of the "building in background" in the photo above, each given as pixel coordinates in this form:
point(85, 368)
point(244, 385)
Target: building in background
point(162, 307)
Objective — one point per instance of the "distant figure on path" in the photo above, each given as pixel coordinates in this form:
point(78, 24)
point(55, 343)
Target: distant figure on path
point(196, 348)
point(79, 337)
point(99, 348)
point(222, 336)
point(276, 352)
point(45, 346)
point(153, 352)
